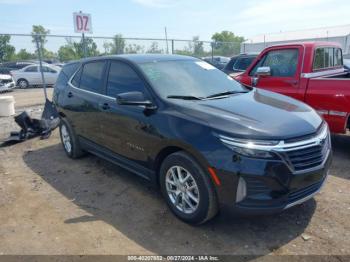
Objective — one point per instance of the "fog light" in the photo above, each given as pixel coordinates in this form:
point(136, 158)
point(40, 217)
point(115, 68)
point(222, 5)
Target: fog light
point(241, 190)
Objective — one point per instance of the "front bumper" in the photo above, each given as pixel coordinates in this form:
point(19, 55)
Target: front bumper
point(271, 186)
point(7, 86)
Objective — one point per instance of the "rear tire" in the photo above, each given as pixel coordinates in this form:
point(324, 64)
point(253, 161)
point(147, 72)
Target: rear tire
point(22, 83)
point(69, 140)
point(187, 189)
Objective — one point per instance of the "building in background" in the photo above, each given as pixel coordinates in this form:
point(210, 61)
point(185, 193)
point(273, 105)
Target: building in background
point(338, 34)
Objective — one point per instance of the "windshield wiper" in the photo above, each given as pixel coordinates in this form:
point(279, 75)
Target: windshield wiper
point(226, 93)
point(185, 97)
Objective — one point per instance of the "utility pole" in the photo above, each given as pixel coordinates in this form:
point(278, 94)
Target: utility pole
point(166, 39)
point(83, 41)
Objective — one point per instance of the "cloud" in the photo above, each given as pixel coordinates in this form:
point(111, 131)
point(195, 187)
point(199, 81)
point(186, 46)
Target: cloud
point(156, 3)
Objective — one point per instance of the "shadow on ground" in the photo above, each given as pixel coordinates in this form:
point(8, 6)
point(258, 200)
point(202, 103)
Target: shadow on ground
point(126, 202)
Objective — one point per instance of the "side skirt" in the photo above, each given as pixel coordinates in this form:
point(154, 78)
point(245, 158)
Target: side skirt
point(117, 159)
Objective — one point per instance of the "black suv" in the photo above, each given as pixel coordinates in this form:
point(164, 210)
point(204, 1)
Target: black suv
point(184, 125)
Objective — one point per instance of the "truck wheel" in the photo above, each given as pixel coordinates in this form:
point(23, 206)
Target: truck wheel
point(23, 83)
point(69, 140)
point(187, 189)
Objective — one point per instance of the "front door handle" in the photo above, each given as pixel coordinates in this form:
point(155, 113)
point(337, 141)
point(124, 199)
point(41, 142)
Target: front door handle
point(70, 94)
point(105, 106)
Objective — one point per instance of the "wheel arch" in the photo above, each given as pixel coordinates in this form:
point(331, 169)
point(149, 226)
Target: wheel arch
point(170, 149)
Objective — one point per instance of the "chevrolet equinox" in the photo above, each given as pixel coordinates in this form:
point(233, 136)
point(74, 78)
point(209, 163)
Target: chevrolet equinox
point(204, 139)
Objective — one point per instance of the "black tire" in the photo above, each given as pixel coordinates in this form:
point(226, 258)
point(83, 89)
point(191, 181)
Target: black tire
point(207, 207)
point(22, 83)
point(75, 150)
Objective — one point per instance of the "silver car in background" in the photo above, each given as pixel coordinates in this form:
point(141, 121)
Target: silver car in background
point(31, 76)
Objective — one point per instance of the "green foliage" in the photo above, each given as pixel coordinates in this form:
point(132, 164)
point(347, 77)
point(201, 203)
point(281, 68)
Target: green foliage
point(24, 55)
point(116, 47)
point(39, 29)
point(154, 49)
point(134, 49)
point(226, 43)
point(75, 50)
point(198, 49)
point(7, 51)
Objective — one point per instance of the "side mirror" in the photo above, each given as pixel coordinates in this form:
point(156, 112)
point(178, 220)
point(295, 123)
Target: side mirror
point(134, 99)
point(260, 72)
point(263, 71)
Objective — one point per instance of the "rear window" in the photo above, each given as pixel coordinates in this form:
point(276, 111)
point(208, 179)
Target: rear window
point(327, 57)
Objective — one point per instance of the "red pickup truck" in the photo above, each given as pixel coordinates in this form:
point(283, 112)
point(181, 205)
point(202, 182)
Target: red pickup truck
point(312, 72)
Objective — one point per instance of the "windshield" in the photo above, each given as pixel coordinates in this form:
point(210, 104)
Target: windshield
point(192, 78)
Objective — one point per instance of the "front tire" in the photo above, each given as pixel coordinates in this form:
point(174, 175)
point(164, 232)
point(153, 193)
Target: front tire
point(187, 189)
point(22, 83)
point(69, 140)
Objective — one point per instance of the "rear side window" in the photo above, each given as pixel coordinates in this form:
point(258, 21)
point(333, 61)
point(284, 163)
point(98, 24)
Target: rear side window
point(327, 57)
point(66, 73)
point(92, 76)
point(69, 69)
point(283, 63)
point(122, 78)
point(32, 69)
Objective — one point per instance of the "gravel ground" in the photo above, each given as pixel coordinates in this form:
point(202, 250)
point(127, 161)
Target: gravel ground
point(51, 204)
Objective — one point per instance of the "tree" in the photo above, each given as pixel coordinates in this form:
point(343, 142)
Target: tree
point(226, 43)
point(118, 44)
point(197, 46)
point(39, 29)
point(75, 50)
point(24, 55)
point(154, 49)
point(7, 51)
point(134, 49)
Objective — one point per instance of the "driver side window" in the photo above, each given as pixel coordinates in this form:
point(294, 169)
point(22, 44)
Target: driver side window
point(283, 63)
point(122, 78)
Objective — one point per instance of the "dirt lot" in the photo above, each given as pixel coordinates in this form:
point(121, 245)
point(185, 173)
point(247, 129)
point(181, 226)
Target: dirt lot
point(51, 204)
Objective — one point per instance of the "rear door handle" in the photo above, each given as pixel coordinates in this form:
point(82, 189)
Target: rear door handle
point(105, 106)
point(70, 94)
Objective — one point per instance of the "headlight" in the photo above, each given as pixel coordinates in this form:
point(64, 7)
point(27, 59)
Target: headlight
point(251, 148)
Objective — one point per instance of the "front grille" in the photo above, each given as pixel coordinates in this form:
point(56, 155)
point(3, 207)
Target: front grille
point(309, 157)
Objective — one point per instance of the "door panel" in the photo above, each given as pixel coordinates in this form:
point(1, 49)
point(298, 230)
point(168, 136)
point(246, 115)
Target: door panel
point(127, 130)
point(84, 99)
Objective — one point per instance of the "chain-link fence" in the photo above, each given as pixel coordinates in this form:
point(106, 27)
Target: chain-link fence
point(63, 48)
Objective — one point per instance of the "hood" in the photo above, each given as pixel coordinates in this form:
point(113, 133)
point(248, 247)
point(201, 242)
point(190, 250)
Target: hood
point(5, 77)
point(258, 114)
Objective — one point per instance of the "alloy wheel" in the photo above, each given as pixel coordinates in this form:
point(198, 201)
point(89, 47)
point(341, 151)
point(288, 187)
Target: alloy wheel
point(66, 139)
point(182, 189)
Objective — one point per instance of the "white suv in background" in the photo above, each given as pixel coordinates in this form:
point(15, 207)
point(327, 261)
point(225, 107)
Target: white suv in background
point(31, 76)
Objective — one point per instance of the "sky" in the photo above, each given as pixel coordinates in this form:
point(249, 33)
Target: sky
point(183, 18)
